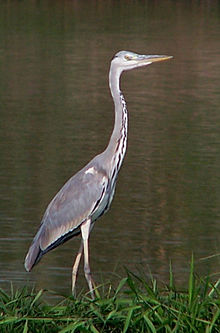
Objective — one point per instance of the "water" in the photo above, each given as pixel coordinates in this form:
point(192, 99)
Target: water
point(57, 113)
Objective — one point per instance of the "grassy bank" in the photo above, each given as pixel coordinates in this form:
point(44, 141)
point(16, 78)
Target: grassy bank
point(135, 306)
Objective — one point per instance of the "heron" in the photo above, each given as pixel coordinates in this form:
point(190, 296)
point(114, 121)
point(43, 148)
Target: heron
point(88, 194)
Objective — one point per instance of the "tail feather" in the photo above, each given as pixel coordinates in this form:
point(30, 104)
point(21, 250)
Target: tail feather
point(35, 251)
point(33, 256)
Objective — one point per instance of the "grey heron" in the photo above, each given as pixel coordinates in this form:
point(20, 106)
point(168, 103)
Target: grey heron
point(88, 194)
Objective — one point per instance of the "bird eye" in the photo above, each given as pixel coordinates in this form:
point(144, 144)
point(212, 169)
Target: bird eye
point(128, 57)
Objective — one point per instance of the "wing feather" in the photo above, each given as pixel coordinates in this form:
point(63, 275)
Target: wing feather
point(74, 203)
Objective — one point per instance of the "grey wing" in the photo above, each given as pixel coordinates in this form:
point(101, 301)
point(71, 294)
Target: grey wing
point(77, 200)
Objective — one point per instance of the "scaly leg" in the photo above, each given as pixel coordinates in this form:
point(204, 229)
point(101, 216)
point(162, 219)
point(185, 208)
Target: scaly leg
point(85, 229)
point(76, 267)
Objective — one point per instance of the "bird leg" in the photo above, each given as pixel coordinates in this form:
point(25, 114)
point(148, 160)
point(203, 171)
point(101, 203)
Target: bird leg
point(76, 267)
point(85, 229)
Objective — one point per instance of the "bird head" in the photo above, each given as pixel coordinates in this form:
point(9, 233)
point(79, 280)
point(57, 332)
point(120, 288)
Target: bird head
point(126, 60)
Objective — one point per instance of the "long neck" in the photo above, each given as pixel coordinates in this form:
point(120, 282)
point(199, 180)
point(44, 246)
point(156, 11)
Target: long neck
point(118, 142)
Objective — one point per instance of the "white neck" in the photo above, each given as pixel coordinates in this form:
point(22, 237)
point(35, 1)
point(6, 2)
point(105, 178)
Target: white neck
point(118, 142)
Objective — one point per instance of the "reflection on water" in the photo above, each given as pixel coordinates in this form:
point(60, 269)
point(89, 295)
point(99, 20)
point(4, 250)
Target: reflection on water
point(56, 114)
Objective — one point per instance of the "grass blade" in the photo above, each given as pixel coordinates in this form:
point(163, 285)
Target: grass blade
point(39, 294)
point(150, 324)
point(191, 282)
point(214, 288)
point(25, 330)
point(128, 320)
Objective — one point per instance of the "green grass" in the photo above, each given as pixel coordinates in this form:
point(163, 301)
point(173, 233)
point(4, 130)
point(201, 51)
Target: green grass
point(135, 306)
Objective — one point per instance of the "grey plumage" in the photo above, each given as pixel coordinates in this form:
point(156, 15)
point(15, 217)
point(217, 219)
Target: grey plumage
point(69, 208)
point(88, 194)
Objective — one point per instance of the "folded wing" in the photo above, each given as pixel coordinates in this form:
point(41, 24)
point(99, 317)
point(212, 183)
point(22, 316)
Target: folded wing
point(77, 200)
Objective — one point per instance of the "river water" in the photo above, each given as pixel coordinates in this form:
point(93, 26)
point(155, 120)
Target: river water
point(57, 113)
